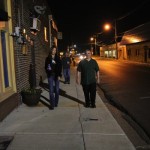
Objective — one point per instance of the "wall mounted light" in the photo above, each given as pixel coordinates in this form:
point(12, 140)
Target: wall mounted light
point(19, 35)
point(35, 25)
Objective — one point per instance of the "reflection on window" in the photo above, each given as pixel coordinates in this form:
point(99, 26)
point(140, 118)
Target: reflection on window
point(149, 53)
point(3, 41)
point(45, 34)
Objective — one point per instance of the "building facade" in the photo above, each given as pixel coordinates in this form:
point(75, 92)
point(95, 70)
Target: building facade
point(26, 35)
point(137, 43)
point(134, 46)
point(109, 51)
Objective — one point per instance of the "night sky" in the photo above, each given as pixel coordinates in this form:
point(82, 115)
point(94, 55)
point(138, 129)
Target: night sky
point(79, 20)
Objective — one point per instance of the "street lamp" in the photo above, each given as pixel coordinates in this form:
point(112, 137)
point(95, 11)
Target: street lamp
point(107, 27)
point(94, 39)
point(116, 41)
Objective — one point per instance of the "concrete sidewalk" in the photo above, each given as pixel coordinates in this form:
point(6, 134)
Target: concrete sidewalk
point(70, 126)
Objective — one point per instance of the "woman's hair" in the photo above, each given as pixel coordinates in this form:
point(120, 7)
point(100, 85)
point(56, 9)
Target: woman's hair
point(87, 50)
point(53, 47)
point(50, 52)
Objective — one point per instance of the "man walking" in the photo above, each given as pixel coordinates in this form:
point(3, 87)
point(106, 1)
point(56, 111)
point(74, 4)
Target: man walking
point(88, 75)
point(66, 61)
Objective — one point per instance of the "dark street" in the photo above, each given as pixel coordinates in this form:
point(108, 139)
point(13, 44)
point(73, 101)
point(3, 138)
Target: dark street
point(127, 85)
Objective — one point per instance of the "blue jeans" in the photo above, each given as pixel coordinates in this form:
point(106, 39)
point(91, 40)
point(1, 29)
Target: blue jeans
point(53, 90)
point(66, 72)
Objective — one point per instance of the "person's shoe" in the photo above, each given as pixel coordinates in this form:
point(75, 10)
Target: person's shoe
point(87, 105)
point(93, 106)
point(68, 82)
point(51, 108)
point(65, 82)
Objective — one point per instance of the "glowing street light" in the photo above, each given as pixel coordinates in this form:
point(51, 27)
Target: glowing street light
point(94, 39)
point(108, 27)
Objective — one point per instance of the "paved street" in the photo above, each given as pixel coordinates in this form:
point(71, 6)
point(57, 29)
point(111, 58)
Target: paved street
point(126, 85)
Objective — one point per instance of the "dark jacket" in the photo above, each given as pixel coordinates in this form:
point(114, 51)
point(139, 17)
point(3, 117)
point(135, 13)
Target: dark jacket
point(66, 65)
point(55, 65)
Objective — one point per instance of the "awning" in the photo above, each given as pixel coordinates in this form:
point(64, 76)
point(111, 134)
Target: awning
point(3, 15)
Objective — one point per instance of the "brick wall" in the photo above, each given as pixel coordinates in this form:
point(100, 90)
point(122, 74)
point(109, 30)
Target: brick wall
point(41, 47)
point(22, 10)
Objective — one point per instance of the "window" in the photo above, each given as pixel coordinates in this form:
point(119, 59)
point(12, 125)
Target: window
point(7, 72)
point(4, 56)
point(129, 52)
point(137, 52)
point(149, 53)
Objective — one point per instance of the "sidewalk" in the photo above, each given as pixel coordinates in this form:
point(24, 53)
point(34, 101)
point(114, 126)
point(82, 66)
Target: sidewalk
point(70, 126)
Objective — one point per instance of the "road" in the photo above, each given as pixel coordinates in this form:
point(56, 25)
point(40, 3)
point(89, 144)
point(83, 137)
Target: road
point(127, 86)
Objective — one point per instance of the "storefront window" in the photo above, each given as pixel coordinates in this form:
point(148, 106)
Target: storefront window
point(5, 67)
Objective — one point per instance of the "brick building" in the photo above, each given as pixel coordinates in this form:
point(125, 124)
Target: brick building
point(27, 31)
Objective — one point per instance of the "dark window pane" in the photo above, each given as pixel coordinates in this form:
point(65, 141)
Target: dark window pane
point(3, 41)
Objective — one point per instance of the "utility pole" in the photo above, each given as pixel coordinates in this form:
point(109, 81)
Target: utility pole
point(50, 32)
point(116, 40)
point(95, 46)
point(95, 43)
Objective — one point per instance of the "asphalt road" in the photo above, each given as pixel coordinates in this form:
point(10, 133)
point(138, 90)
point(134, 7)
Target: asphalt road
point(127, 86)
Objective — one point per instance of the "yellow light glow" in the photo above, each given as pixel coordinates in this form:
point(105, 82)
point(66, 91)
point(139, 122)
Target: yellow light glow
point(45, 34)
point(24, 31)
point(91, 38)
point(2, 24)
point(107, 26)
point(133, 39)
